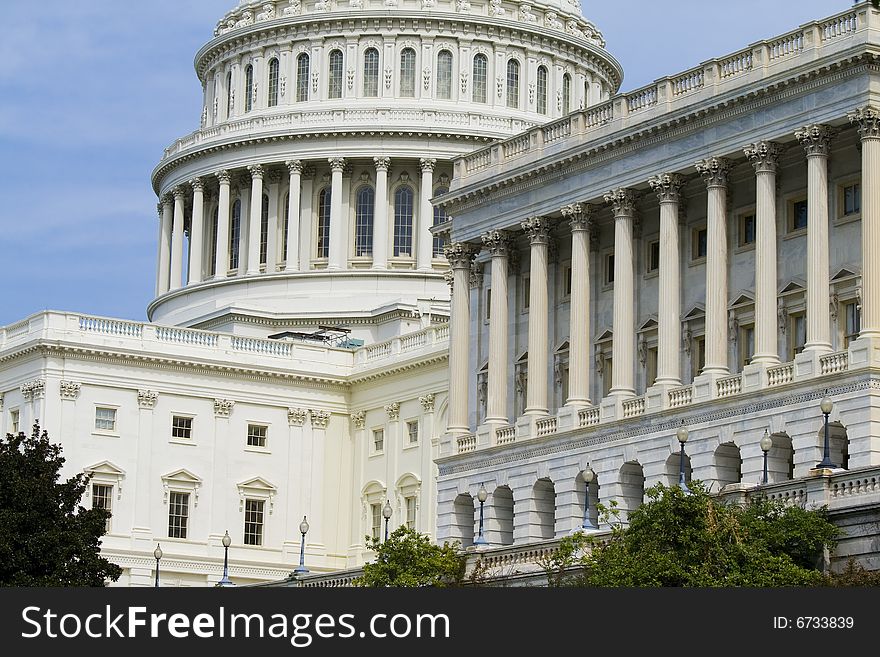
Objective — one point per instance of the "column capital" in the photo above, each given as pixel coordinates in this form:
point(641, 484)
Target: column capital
point(337, 164)
point(294, 167)
point(147, 399)
point(667, 186)
point(816, 139)
point(427, 164)
point(714, 171)
point(179, 193)
point(393, 410)
point(160, 209)
point(497, 242)
point(578, 215)
point(538, 229)
point(460, 254)
point(623, 201)
point(70, 389)
point(223, 407)
point(868, 120)
point(427, 402)
point(320, 419)
point(256, 171)
point(382, 163)
point(359, 418)
point(223, 177)
point(166, 199)
point(475, 277)
point(197, 184)
point(764, 155)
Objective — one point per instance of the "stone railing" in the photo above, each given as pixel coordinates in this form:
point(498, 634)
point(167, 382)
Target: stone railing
point(435, 337)
point(681, 396)
point(588, 417)
point(505, 435)
point(110, 327)
point(688, 82)
point(833, 363)
point(729, 385)
point(780, 375)
point(545, 426)
point(260, 346)
point(186, 336)
point(467, 444)
point(634, 407)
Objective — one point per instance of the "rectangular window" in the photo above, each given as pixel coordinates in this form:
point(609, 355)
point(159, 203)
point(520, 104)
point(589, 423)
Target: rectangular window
point(253, 522)
point(798, 334)
point(102, 498)
point(746, 345)
point(181, 427)
point(797, 215)
point(653, 256)
point(489, 303)
point(527, 292)
point(699, 243)
point(14, 422)
point(376, 527)
point(698, 349)
point(607, 370)
point(651, 366)
point(851, 198)
point(609, 269)
point(256, 435)
point(853, 319)
point(178, 514)
point(566, 281)
point(105, 419)
point(412, 431)
point(747, 229)
point(378, 440)
point(564, 384)
point(411, 512)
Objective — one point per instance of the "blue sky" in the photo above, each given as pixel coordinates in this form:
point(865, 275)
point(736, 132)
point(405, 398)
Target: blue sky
point(91, 92)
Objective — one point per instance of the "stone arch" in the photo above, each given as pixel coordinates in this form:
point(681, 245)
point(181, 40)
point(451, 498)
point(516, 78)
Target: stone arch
point(673, 465)
point(632, 487)
point(544, 508)
point(780, 459)
point(581, 490)
point(728, 464)
point(838, 443)
point(499, 523)
point(463, 519)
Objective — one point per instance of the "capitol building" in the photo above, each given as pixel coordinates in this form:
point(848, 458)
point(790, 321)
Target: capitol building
point(417, 248)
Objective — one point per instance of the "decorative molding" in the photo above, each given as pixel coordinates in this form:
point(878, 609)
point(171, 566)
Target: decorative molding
point(427, 402)
point(382, 163)
point(359, 418)
point(70, 390)
point(622, 201)
point(475, 276)
point(498, 243)
point(296, 417)
point(182, 481)
point(32, 390)
point(294, 167)
point(393, 410)
point(579, 215)
point(537, 229)
point(427, 164)
point(667, 186)
point(714, 171)
point(868, 121)
point(816, 139)
point(105, 472)
point(764, 155)
point(320, 419)
point(223, 407)
point(460, 254)
point(257, 488)
point(147, 399)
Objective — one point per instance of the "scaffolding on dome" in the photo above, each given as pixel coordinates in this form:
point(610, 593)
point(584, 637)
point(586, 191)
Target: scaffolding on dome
point(329, 336)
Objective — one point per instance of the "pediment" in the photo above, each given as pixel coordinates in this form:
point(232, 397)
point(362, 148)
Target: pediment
point(564, 346)
point(844, 274)
point(606, 335)
point(793, 287)
point(105, 468)
point(742, 299)
point(182, 476)
point(649, 325)
point(257, 484)
point(697, 312)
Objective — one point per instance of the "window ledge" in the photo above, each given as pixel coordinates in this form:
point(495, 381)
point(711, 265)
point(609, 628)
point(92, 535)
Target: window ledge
point(794, 234)
point(374, 454)
point(410, 446)
point(848, 218)
point(103, 432)
point(744, 248)
point(181, 441)
point(695, 262)
point(258, 450)
point(651, 274)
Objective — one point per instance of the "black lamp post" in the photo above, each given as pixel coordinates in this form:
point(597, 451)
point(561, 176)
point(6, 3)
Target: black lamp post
point(386, 513)
point(589, 476)
point(766, 445)
point(303, 530)
point(482, 495)
point(226, 541)
point(682, 435)
point(826, 405)
point(158, 554)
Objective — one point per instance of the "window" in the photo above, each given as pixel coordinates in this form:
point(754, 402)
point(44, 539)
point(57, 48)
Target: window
point(564, 377)
point(248, 88)
point(566, 94)
point(371, 73)
point(235, 234)
point(324, 223)
point(302, 78)
point(408, 73)
point(181, 427)
point(178, 514)
point(256, 435)
point(607, 376)
point(215, 225)
point(566, 281)
point(412, 431)
point(376, 527)
point(102, 498)
point(444, 75)
point(378, 440)
point(797, 215)
point(403, 221)
point(542, 90)
point(653, 263)
point(264, 229)
point(747, 228)
point(699, 358)
point(410, 512)
point(253, 522)
point(853, 323)
point(440, 217)
point(526, 292)
point(229, 95)
point(481, 74)
point(273, 82)
point(334, 79)
point(609, 269)
point(746, 344)
point(488, 303)
point(512, 83)
point(798, 334)
point(363, 221)
point(850, 199)
point(14, 421)
point(699, 243)
point(651, 366)
point(105, 419)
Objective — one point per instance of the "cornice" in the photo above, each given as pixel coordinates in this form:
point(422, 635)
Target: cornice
point(303, 322)
point(416, 363)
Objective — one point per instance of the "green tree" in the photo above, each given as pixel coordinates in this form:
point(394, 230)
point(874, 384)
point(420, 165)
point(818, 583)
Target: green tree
point(46, 537)
point(410, 559)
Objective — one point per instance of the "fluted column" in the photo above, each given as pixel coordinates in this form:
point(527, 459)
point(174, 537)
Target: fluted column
point(256, 219)
point(538, 231)
point(624, 338)
point(424, 240)
point(765, 158)
point(337, 230)
point(668, 188)
point(868, 121)
point(197, 231)
point(498, 243)
point(222, 254)
point(274, 189)
point(177, 239)
point(164, 276)
point(714, 171)
point(580, 329)
point(815, 140)
point(460, 257)
point(380, 214)
point(291, 255)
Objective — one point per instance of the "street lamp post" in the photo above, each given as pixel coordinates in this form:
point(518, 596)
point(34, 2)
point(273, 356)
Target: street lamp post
point(482, 495)
point(386, 513)
point(766, 445)
point(589, 476)
point(226, 541)
point(158, 554)
point(682, 435)
point(303, 530)
point(826, 405)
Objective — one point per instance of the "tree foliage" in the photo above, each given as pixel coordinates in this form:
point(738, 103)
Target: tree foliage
point(410, 559)
point(46, 537)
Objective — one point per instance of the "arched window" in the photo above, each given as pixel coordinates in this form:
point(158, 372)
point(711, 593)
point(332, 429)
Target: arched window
point(234, 234)
point(407, 73)
point(215, 222)
point(444, 75)
point(403, 221)
point(440, 216)
point(273, 82)
point(324, 223)
point(229, 94)
point(371, 73)
point(334, 80)
point(248, 88)
point(363, 221)
point(512, 83)
point(264, 229)
point(302, 78)
point(566, 94)
point(542, 90)
point(481, 73)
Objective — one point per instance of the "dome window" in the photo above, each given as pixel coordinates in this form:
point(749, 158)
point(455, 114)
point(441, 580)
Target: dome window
point(542, 90)
point(371, 73)
point(334, 81)
point(513, 83)
point(302, 78)
point(481, 74)
point(444, 75)
point(408, 73)
point(273, 82)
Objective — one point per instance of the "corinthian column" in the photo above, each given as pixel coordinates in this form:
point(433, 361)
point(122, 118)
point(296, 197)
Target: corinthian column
point(714, 171)
point(380, 214)
point(623, 340)
point(668, 189)
point(291, 255)
point(765, 158)
point(538, 231)
point(498, 243)
point(256, 220)
point(868, 121)
point(197, 231)
point(177, 239)
point(580, 329)
point(221, 256)
point(163, 279)
point(460, 257)
point(815, 140)
point(337, 230)
point(425, 241)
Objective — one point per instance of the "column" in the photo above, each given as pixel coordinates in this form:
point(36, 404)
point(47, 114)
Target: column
point(765, 158)
point(337, 230)
point(868, 121)
point(460, 256)
point(580, 329)
point(816, 139)
point(424, 239)
point(244, 221)
point(197, 231)
point(538, 231)
point(624, 338)
point(498, 243)
point(272, 234)
point(222, 255)
point(668, 188)
point(380, 215)
point(143, 475)
point(163, 279)
point(291, 256)
point(714, 171)
point(177, 240)
point(256, 220)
